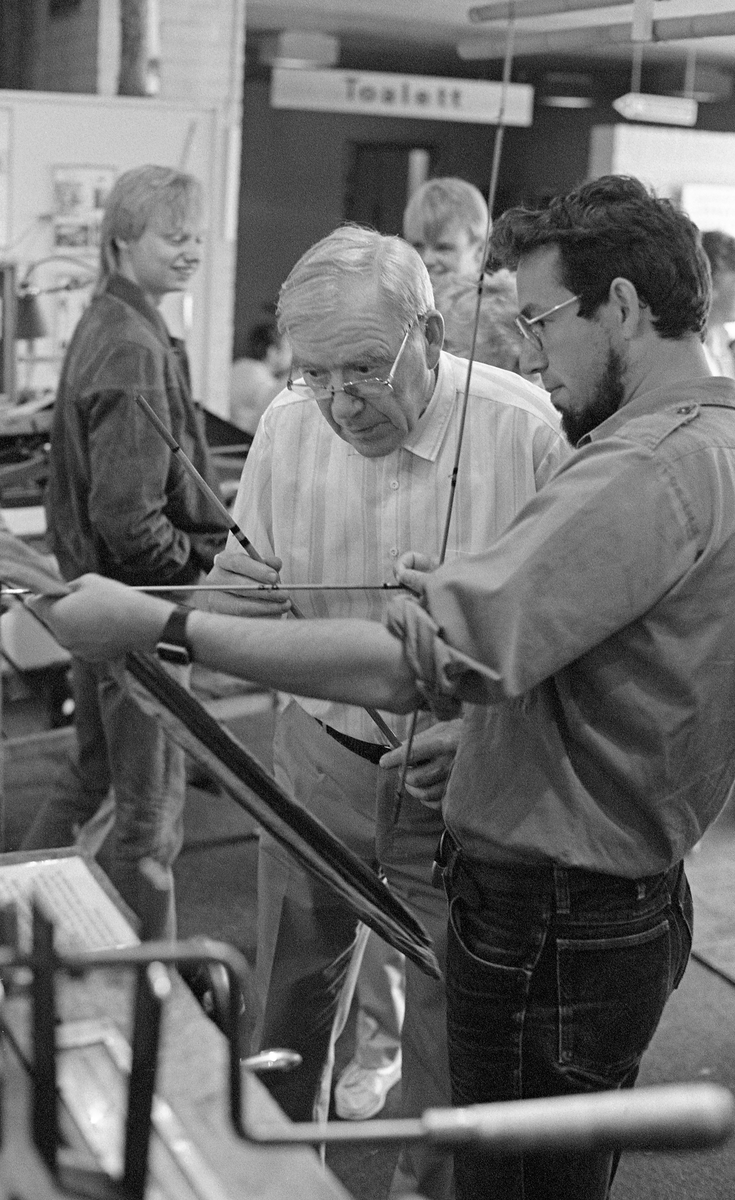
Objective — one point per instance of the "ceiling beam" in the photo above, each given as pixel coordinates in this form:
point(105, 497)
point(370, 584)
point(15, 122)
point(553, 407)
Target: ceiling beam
point(594, 30)
point(506, 10)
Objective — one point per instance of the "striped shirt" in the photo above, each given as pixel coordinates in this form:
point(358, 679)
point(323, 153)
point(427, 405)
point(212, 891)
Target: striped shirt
point(336, 517)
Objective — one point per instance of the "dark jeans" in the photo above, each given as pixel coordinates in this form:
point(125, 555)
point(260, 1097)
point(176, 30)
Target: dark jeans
point(556, 981)
point(121, 746)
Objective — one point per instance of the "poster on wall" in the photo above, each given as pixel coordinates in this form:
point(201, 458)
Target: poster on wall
point(5, 119)
point(79, 195)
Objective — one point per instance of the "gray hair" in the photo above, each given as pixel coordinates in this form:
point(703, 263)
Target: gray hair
point(134, 198)
point(440, 201)
point(353, 253)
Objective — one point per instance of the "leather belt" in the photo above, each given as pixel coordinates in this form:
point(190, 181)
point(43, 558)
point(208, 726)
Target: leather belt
point(369, 750)
point(451, 864)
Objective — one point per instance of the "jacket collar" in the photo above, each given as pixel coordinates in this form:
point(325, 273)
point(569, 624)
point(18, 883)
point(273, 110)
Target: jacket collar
point(123, 289)
point(706, 389)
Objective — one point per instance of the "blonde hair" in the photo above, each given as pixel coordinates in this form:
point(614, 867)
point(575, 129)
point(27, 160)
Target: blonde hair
point(134, 199)
point(440, 201)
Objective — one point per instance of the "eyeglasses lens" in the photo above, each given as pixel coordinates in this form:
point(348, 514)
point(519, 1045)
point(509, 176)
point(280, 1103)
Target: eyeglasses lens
point(529, 333)
point(362, 389)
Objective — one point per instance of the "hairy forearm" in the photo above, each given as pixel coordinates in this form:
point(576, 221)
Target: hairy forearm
point(355, 662)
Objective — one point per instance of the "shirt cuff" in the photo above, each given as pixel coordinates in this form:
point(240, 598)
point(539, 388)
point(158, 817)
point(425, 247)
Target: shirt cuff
point(444, 676)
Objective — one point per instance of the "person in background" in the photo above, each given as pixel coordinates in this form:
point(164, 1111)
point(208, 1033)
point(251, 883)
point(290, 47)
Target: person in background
point(350, 465)
point(119, 503)
point(720, 251)
point(456, 298)
point(446, 220)
point(257, 378)
point(594, 644)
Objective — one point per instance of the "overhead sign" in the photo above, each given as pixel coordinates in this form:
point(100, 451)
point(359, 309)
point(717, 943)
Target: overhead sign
point(432, 97)
point(660, 110)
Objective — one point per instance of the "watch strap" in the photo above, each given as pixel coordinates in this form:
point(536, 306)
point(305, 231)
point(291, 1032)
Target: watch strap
point(173, 645)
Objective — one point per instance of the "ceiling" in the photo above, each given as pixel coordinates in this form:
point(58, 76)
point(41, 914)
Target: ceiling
point(423, 35)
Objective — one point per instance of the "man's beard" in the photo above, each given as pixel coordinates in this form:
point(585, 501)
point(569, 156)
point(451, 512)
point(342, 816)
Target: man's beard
point(606, 400)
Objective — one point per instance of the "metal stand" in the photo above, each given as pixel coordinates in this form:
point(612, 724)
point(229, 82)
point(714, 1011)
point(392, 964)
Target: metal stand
point(677, 1117)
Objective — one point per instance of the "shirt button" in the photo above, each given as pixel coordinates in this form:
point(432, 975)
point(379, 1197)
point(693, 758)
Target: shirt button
point(393, 553)
point(685, 408)
point(394, 484)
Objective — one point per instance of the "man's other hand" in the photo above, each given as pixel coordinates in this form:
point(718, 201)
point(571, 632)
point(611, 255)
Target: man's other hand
point(410, 570)
point(432, 757)
point(233, 567)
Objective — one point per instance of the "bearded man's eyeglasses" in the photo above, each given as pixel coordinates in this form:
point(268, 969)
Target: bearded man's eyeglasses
point(527, 325)
point(316, 384)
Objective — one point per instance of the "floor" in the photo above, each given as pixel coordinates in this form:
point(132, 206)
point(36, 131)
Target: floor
point(216, 896)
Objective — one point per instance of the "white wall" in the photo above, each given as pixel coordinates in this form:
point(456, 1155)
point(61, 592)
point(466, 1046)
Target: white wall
point(51, 130)
point(202, 46)
point(693, 167)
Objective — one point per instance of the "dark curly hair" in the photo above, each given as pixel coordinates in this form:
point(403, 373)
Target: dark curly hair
point(614, 227)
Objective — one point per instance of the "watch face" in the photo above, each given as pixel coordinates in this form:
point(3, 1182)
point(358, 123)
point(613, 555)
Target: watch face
point(170, 653)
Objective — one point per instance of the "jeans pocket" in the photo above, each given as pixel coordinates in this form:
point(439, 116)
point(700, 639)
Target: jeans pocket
point(486, 995)
point(612, 991)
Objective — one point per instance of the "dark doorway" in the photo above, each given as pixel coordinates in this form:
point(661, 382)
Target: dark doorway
point(380, 178)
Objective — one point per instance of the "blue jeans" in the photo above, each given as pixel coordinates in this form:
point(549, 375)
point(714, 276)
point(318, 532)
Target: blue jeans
point(556, 981)
point(120, 746)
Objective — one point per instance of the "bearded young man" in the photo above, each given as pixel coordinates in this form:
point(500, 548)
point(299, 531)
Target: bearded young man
point(595, 644)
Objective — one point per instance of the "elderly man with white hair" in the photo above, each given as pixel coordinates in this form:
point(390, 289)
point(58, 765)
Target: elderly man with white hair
point(350, 467)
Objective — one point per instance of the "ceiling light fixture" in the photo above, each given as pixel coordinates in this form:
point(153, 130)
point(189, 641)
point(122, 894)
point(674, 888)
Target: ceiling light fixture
point(298, 50)
point(566, 89)
point(566, 26)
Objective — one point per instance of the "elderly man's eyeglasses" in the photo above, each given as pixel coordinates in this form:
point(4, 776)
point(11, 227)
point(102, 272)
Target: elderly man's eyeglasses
point(316, 384)
point(527, 324)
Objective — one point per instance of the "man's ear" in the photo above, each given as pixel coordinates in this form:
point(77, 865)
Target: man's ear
point(627, 306)
point(119, 247)
point(434, 337)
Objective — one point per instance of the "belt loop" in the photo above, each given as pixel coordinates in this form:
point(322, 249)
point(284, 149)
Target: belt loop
point(446, 862)
point(640, 889)
point(676, 879)
point(561, 889)
point(440, 865)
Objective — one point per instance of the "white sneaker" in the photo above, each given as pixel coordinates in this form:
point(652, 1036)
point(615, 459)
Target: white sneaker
point(361, 1092)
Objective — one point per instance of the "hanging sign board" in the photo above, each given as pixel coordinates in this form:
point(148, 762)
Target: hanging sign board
point(433, 97)
point(663, 110)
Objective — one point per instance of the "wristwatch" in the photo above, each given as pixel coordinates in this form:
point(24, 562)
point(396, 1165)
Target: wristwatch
point(173, 645)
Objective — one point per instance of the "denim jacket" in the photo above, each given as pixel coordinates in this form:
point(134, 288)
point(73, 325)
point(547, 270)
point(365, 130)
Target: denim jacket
point(595, 642)
point(119, 501)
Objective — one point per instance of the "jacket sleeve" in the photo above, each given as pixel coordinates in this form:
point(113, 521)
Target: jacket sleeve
point(597, 548)
point(130, 467)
